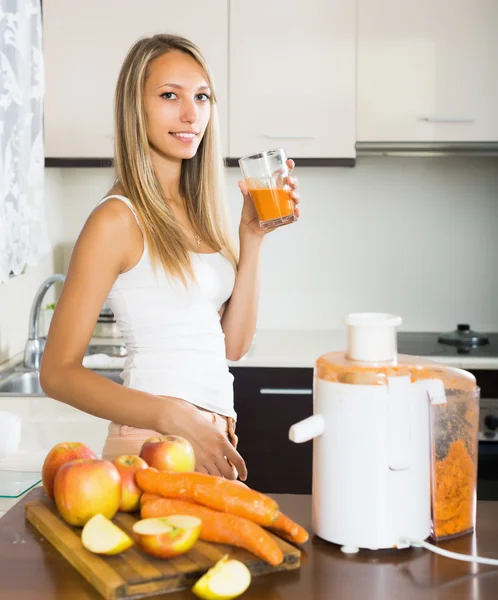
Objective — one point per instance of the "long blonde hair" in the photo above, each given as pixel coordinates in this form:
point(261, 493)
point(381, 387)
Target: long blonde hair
point(201, 176)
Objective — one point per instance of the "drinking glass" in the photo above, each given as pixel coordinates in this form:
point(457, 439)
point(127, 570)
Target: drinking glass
point(265, 174)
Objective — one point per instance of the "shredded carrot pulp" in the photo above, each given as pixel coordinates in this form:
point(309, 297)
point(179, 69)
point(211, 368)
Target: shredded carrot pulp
point(454, 491)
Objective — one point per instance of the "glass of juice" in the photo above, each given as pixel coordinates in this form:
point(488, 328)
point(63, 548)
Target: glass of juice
point(265, 174)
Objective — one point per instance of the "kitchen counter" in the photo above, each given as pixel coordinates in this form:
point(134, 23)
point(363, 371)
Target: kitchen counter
point(301, 348)
point(296, 349)
point(31, 568)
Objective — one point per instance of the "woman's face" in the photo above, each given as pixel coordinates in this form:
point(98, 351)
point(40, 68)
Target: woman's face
point(177, 105)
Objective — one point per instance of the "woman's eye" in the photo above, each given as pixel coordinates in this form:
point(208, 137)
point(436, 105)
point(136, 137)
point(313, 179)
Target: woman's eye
point(203, 97)
point(168, 95)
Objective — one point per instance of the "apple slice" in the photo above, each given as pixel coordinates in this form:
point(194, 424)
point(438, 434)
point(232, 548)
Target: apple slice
point(166, 537)
point(101, 536)
point(228, 579)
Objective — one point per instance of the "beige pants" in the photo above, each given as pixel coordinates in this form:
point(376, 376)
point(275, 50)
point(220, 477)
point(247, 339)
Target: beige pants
point(125, 439)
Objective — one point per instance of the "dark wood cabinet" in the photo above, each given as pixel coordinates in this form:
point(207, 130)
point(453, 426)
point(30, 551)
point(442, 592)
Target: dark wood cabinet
point(268, 401)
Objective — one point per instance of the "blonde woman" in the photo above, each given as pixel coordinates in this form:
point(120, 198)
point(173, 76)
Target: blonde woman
point(158, 248)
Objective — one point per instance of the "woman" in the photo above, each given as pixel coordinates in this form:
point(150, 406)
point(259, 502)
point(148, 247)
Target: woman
point(157, 248)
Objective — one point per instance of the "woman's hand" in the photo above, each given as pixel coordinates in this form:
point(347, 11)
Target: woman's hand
point(249, 220)
point(212, 449)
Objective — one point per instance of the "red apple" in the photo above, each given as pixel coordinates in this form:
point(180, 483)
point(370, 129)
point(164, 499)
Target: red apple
point(167, 537)
point(128, 465)
point(168, 453)
point(57, 456)
point(86, 487)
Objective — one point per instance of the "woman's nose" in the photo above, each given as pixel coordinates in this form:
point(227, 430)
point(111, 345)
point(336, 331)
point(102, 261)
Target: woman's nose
point(188, 112)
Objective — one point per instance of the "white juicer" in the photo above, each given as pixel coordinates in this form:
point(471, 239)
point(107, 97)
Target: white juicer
point(373, 446)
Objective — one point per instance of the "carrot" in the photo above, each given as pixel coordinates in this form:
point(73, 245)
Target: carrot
point(287, 529)
point(284, 527)
point(146, 497)
point(220, 527)
point(211, 491)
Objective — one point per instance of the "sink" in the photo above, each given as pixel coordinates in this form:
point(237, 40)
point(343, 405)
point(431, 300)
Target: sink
point(27, 383)
point(22, 384)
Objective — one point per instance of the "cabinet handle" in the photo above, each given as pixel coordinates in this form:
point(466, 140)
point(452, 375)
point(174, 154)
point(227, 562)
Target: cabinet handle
point(289, 137)
point(288, 391)
point(448, 119)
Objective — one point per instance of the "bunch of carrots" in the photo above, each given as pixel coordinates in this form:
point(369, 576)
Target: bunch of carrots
point(231, 512)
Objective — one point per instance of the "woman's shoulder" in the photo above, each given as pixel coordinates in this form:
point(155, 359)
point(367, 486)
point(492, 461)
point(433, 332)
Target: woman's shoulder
point(112, 222)
point(116, 209)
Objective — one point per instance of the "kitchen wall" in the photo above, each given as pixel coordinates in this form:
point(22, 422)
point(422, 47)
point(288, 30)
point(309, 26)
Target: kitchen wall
point(414, 236)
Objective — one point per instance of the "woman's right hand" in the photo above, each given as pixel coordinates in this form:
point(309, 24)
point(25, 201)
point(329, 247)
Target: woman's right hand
point(212, 449)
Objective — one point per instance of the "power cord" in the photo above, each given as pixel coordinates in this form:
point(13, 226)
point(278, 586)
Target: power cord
point(465, 557)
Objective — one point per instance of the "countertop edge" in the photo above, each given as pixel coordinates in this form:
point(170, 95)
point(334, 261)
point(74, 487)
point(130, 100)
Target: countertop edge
point(307, 363)
point(262, 356)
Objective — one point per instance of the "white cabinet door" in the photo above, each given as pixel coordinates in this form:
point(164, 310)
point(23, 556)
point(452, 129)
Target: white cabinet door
point(84, 46)
point(292, 77)
point(427, 71)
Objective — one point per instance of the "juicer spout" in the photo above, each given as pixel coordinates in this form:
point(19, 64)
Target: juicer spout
point(307, 429)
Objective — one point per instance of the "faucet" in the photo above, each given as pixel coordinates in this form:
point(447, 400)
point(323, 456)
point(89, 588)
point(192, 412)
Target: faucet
point(36, 343)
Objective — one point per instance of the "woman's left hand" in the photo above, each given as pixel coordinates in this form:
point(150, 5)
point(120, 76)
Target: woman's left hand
point(249, 219)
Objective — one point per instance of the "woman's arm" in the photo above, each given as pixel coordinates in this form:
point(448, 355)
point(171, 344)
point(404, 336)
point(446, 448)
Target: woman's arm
point(241, 312)
point(239, 315)
point(109, 244)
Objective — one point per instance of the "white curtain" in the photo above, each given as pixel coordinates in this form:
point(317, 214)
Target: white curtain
point(23, 234)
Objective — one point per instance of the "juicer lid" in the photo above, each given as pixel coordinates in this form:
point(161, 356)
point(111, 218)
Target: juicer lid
point(371, 358)
point(371, 337)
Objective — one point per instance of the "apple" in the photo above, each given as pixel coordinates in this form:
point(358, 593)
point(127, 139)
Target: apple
point(128, 465)
point(166, 537)
point(86, 487)
point(168, 453)
point(101, 536)
point(57, 456)
point(228, 579)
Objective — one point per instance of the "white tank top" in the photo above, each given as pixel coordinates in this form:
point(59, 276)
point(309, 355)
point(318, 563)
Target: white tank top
point(172, 332)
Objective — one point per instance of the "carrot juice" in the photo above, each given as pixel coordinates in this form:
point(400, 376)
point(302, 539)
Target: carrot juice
point(273, 205)
point(265, 174)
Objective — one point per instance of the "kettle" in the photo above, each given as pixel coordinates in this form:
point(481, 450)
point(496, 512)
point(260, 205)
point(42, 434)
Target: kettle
point(395, 441)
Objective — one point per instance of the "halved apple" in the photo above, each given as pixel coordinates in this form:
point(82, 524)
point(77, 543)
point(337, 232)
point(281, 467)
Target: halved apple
point(228, 579)
point(101, 536)
point(166, 537)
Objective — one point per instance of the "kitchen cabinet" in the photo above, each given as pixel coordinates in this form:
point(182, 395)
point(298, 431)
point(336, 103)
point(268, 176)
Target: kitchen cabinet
point(268, 401)
point(427, 71)
point(84, 46)
point(292, 77)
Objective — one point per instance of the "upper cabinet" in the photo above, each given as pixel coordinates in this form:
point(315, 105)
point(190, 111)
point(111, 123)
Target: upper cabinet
point(292, 77)
point(84, 46)
point(427, 71)
point(314, 77)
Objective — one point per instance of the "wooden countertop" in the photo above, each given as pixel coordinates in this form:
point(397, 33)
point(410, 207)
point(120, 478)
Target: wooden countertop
point(31, 568)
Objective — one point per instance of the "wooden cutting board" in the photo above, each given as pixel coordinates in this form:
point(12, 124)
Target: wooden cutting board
point(133, 573)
